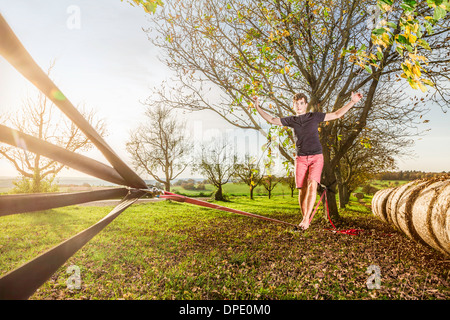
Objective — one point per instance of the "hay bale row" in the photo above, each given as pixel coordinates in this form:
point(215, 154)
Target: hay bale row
point(420, 209)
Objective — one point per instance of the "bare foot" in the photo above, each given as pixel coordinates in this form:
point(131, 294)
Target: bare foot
point(305, 225)
point(302, 224)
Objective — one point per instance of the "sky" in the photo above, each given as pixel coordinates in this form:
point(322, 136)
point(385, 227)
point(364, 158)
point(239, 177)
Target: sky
point(105, 61)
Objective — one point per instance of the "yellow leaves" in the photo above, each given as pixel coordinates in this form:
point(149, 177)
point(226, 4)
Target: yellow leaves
point(411, 38)
point(413, 72)
point(381, 41)
point(415, 57)
point(385, 7)
point(285, 33)
point(385, 38)
point(278, 35)
point(422, 87)
point(287, 68)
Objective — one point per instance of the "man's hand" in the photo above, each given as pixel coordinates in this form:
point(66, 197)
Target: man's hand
point(256, 100)
point(356, 97)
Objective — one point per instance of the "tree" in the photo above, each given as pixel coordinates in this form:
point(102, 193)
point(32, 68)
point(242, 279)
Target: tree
point(160, 145)
point(148, 5)
point(217, 163)
point(269, 182)
point(360, 165)
point(248, 172)
point(407, 26)
point(40, 118)
point(289, 180)
point(277, 48)
point(387, 135)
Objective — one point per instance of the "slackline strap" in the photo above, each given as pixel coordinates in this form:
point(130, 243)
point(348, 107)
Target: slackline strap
point(353, 232)
point(21, 283)
point(15, 53)
point(21, 203)
point(179, 198)
point(71, 159)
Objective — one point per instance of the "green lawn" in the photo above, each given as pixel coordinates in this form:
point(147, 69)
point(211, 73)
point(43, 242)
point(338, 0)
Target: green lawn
point(170, 250)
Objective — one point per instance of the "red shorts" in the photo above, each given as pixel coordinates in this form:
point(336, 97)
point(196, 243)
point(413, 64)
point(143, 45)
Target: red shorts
point(308, 168)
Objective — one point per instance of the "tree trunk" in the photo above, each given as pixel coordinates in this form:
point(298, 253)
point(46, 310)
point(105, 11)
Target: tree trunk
point(346, 195)
point(329, 180)
point(167, 186)
point(342, 189)
point(251, 191)
point(218, 196)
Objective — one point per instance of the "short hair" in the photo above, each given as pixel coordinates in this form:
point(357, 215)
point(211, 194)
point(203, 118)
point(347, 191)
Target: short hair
point(299, 96)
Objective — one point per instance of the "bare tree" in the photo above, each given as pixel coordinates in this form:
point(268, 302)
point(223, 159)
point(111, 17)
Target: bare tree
point(269, 182)
point(289, 180)
point(217, 163)
point(40, 118)
point(160, 145)
point(249, 172)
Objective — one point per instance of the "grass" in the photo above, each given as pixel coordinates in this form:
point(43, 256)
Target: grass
point(170, 250)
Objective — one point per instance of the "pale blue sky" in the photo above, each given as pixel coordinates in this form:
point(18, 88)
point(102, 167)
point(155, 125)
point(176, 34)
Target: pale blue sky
point(108, 63)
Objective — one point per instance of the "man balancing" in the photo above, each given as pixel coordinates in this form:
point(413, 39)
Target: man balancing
point(309, 159)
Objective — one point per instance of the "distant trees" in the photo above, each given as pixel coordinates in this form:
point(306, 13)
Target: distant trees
point(191, 184)
point(159, 146)
point(407, 175)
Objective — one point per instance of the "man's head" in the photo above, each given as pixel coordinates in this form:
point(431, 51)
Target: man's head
point(300, 103)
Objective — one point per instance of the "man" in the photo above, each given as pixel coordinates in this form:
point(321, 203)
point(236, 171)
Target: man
point(309, 160)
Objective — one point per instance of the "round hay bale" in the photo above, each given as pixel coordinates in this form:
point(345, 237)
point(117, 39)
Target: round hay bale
point(420, 209)
point(359, 195)
point(440, 218)
point(403, 218)
point(393, 200)
point(427, 216)
point(379, 201)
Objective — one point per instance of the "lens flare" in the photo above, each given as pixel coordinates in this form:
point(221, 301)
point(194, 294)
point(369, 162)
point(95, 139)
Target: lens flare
point(58, 95)
point(20, 142)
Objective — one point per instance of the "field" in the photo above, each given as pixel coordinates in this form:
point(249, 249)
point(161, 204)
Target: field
point(233, 189)
point(170, 250)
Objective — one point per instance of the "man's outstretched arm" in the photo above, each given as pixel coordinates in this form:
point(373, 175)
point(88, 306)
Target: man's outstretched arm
point(266, 116)
point(339, 113)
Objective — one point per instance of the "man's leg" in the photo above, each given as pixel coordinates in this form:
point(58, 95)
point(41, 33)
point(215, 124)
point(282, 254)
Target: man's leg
point(301, 174)
point(302, 202)
point(308, 203)
point(315, 172)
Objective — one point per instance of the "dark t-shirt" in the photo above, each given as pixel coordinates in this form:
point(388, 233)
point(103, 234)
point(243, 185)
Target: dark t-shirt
point(306, 132)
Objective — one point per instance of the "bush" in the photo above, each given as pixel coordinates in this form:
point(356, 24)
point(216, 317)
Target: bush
point(27, 185)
